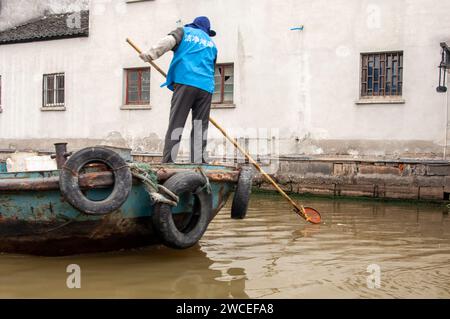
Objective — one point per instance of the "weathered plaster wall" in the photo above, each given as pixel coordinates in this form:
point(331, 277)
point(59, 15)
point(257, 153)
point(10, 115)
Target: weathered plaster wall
point(301, 84)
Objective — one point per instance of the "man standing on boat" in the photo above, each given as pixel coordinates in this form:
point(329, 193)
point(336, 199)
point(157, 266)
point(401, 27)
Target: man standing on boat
point(191, 78)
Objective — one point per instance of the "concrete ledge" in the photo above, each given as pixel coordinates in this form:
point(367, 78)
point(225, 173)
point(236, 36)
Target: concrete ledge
point(135, 107)
point(380, 101)
point(401, 192)
point(53, 109)
point(442, 170)
point(223, 106)
point(431, 193)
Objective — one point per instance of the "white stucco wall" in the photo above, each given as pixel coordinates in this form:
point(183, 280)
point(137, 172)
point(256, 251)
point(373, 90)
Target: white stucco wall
point(302, 83)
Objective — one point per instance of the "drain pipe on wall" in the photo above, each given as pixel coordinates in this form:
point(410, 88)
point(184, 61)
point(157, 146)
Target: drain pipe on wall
point(444, 68)
point(446, 125)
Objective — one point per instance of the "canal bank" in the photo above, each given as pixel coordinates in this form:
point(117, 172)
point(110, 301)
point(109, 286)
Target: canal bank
point(409, 179)
point(418, 179)
point(389, 179)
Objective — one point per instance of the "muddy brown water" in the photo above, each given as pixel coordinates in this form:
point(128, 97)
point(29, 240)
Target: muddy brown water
point(271, 254)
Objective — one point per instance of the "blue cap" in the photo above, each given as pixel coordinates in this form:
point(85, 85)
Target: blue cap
point(203, 24)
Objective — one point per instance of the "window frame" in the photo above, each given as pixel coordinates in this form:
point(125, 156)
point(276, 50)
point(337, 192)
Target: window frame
point(56, 89)
point(364, 95)
point(140, 102)
point(134, 1)
point(222, 85)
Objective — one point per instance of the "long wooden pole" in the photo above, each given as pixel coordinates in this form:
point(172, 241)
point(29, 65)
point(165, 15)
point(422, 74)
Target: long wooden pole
point(299, 209)
point(153, 64)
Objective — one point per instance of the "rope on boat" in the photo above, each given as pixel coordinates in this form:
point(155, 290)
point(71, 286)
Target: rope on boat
point(207, 186)
point(158, 193)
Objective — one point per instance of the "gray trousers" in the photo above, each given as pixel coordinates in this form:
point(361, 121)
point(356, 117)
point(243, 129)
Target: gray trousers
point(184, 99)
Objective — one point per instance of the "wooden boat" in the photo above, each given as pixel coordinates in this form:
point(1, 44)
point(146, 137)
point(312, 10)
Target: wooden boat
point(36, 217)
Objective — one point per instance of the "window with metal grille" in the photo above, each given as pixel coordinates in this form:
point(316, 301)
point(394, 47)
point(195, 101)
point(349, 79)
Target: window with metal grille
point(382, 74)
point(137, 86)
point(224, 84)
point(53, 90)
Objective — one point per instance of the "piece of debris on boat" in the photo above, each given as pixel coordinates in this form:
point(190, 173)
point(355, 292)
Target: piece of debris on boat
point(98, 199)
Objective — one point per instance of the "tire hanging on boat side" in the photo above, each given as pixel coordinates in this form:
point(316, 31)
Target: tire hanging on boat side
point(70, 188)
point(242, 194)
point(191, 232)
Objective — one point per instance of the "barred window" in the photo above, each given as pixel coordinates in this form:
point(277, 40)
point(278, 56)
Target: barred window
point(382, 74)
point(137, 86)
point(224, 84)
point(53, 90)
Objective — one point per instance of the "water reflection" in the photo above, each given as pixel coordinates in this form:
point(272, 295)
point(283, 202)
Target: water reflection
point(285, 258)
point(272, 254)
point(155, 272)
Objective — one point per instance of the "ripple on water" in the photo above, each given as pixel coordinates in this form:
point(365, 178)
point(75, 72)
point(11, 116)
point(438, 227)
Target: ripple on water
point(283, 257)
point(271, 254)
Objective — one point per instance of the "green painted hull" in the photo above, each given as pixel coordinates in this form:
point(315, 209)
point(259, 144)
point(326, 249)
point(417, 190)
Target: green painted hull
point(41, 222)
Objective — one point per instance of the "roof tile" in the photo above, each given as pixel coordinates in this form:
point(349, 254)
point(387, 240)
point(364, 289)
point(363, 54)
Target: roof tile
point(52, 27)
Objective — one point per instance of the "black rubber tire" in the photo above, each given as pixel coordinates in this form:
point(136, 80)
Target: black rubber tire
point(70, 188)
point(242, 194)
point(162, 218)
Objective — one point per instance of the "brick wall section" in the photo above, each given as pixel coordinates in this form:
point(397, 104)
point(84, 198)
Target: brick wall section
point(391, 179)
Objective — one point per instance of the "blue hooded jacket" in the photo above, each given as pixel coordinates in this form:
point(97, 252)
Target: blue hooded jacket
point(194, 61)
